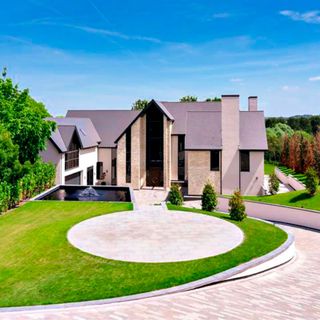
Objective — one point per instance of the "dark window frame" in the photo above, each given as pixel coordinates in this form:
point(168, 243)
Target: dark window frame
point(215, 160)
point(245, 161)
point(128, 155)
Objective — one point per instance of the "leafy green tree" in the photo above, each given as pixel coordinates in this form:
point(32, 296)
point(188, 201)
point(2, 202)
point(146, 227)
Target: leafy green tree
point(10, 167)
point(175, 195)
point(24, 118)
point(237, 209)
point(208, 198)
point(273, 183)
point(215, 99)
point(189, 99)
point(312, 181)
point(139, 104)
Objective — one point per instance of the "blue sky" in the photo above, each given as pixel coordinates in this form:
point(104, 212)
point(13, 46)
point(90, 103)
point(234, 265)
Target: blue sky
point(106, 54)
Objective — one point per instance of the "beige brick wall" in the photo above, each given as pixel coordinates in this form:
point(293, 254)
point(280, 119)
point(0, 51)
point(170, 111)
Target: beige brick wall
point(135, 154)
point(121, 161)
point(174, 157)
point(252, 182)
point(143, 143)
point(199, 172)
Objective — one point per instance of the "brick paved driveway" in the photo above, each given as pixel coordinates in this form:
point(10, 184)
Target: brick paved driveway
point(290, 292)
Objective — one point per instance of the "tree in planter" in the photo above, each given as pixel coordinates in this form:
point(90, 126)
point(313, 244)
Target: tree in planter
point(175, 195)
point(208, 198)
point(273, 183)
point(237, 209)
point(312, 181)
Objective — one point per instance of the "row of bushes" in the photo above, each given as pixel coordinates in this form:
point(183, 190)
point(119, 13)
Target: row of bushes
point(37, 178)
point(209, 201)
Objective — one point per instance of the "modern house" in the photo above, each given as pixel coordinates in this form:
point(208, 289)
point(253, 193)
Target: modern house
point(184, 142)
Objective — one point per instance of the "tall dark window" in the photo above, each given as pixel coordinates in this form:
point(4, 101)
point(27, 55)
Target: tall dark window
point(181, 158)
point(215, 160)
point(128, 155)
point(72, 155)
point(154, 147)
point(99, 170)
point(114, 166)
point(245, 161)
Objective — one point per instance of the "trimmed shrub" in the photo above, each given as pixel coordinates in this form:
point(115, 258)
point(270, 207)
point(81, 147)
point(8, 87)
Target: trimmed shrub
point(273, 183)
point(175, 195)
point(237, 209)
point(208, 198)
point(312, 181)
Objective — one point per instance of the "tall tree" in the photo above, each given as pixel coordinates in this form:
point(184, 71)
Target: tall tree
point(24, 118)
point(139, 104)
point(189, 99)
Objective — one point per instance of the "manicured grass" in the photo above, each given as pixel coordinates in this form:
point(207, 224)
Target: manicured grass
point(268, 168)
point(300, 199)
point(39, 266)
point(299, 176)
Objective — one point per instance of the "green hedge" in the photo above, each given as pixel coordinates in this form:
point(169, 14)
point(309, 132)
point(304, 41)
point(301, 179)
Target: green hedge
point(37, 178)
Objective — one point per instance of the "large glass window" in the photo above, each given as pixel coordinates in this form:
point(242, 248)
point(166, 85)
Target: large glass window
point(215, 160)
point(181, 158)
point(72, 155)
point(245, 161)
point(128, 155)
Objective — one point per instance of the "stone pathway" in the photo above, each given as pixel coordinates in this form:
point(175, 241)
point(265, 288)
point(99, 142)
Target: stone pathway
point(153, 234)
point(290, 292)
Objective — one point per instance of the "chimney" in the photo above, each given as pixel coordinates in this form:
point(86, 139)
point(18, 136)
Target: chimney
point(253, 103)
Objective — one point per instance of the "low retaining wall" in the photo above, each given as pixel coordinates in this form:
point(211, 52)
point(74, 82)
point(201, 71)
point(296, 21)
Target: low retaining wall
point(289, 180)
point(273, 212)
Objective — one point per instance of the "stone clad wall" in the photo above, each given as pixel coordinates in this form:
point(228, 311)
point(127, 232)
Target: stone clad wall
point(167, 129)
point(199, 172)
point(121, 161)
point(135, 154)
point(143, 144)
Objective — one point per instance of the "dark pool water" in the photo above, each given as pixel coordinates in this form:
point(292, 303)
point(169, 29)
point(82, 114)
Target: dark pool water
point(97, 193)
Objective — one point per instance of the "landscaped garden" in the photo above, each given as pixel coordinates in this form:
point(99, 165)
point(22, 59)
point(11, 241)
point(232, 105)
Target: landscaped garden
point(299, 199)
point(39, 266)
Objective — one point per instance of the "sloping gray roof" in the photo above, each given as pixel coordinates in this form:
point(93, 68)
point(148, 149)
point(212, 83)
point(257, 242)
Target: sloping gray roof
point(66, 133)
point(203, 130)
point(65, 127)
point(252, 131)
point(109, 123)
point(179, 112)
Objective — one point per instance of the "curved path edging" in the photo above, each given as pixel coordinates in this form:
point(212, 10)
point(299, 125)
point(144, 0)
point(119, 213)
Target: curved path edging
point(269, 261)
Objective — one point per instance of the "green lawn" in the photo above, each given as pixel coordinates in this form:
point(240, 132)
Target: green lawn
point(300, 199)
point(39, 266)
point(299, 176)
point(268, 168)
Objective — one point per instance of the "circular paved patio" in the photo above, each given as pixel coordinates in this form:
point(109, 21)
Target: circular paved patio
point(155, 235)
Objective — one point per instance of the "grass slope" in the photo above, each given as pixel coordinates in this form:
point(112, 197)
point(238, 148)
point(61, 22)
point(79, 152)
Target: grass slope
point(299, 176)
point(39, 266)
point(300, 199)
point(268, 168)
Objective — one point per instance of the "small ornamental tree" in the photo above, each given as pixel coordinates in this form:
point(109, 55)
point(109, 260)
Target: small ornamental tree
point(312, 181)
point(273, 183)
point(208, 198)
point(175, 195)
point(237, 209)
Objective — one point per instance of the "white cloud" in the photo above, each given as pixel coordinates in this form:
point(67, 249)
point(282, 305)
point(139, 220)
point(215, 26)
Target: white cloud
point(288, 88)
point(317, 78)
point(236, 80)
point(221, 15)
point(308, 17)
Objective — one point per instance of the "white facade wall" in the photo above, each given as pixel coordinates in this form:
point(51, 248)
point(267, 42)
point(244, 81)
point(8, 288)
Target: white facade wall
point(87, 158)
